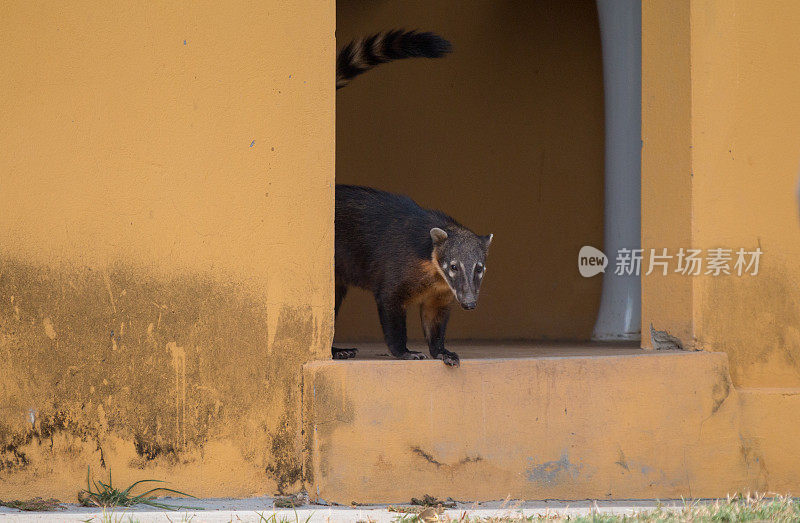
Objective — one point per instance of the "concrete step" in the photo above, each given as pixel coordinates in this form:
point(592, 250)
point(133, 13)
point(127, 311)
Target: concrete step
point(608, 424)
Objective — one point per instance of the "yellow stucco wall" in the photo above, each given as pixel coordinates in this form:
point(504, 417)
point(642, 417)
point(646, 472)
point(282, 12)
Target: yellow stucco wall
point(166, 221)
point(720, 158)
point(746, 154)
point(721, 150)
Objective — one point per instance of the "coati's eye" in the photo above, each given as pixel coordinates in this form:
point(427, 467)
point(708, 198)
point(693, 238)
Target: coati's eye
point(479, 269)
point(454, 267)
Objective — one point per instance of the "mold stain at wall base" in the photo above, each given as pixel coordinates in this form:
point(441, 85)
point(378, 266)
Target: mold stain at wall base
point(327, 404)
point(13, 444)
point(149, 451)
point(179, 364)
point(192, 368)
point(294, 337)
point(285, 468)
point(11, 458)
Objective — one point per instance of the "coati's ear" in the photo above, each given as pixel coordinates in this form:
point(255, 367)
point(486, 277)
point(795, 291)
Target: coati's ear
point(488, 240)
point(438, 235)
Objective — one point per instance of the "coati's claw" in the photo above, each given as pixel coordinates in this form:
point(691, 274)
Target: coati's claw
point(412, 355)
point(343, 354)
point(450, 359)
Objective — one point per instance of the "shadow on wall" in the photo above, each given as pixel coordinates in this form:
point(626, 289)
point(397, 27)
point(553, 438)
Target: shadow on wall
point(505, 134)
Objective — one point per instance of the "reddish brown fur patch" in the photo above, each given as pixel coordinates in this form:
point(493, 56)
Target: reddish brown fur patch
point(431, 313)
point(430, 286)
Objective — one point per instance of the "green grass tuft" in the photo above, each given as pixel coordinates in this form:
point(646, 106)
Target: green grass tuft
point(105, 495)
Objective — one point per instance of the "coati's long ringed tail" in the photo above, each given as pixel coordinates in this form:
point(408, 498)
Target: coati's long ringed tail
point(360, 56)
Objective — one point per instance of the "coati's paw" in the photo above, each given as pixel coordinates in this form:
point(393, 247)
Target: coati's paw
point(343, 354)
point(450, 359)
point(412, 355)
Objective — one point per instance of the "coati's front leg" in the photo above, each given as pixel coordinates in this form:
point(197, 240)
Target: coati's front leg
point(434, 315)
point(392, 314)
point(336, 352)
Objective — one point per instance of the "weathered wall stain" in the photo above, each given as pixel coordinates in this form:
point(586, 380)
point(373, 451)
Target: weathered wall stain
point(553, 471)
point(633, 466)
point(622, 461)
point(294, 339)
point(427, 457)
point(721, 390)
point(179, 364)
point(754, 319)
point(753, 458)
point(325, 404)
point(189, 363)
point(433, 461)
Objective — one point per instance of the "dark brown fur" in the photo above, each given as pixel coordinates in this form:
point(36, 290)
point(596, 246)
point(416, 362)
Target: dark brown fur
point(385, 244)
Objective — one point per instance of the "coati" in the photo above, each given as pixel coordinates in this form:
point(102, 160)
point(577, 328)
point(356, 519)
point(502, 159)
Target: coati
point(360, 56)
point(404, 254)
point(387, 244)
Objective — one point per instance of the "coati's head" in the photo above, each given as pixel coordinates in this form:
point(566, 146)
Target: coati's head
point(461, 259)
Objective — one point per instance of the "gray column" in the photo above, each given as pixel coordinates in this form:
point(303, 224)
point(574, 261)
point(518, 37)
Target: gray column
point(621, 34)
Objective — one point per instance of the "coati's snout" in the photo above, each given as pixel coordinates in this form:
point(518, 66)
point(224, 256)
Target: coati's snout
point(460, 257)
